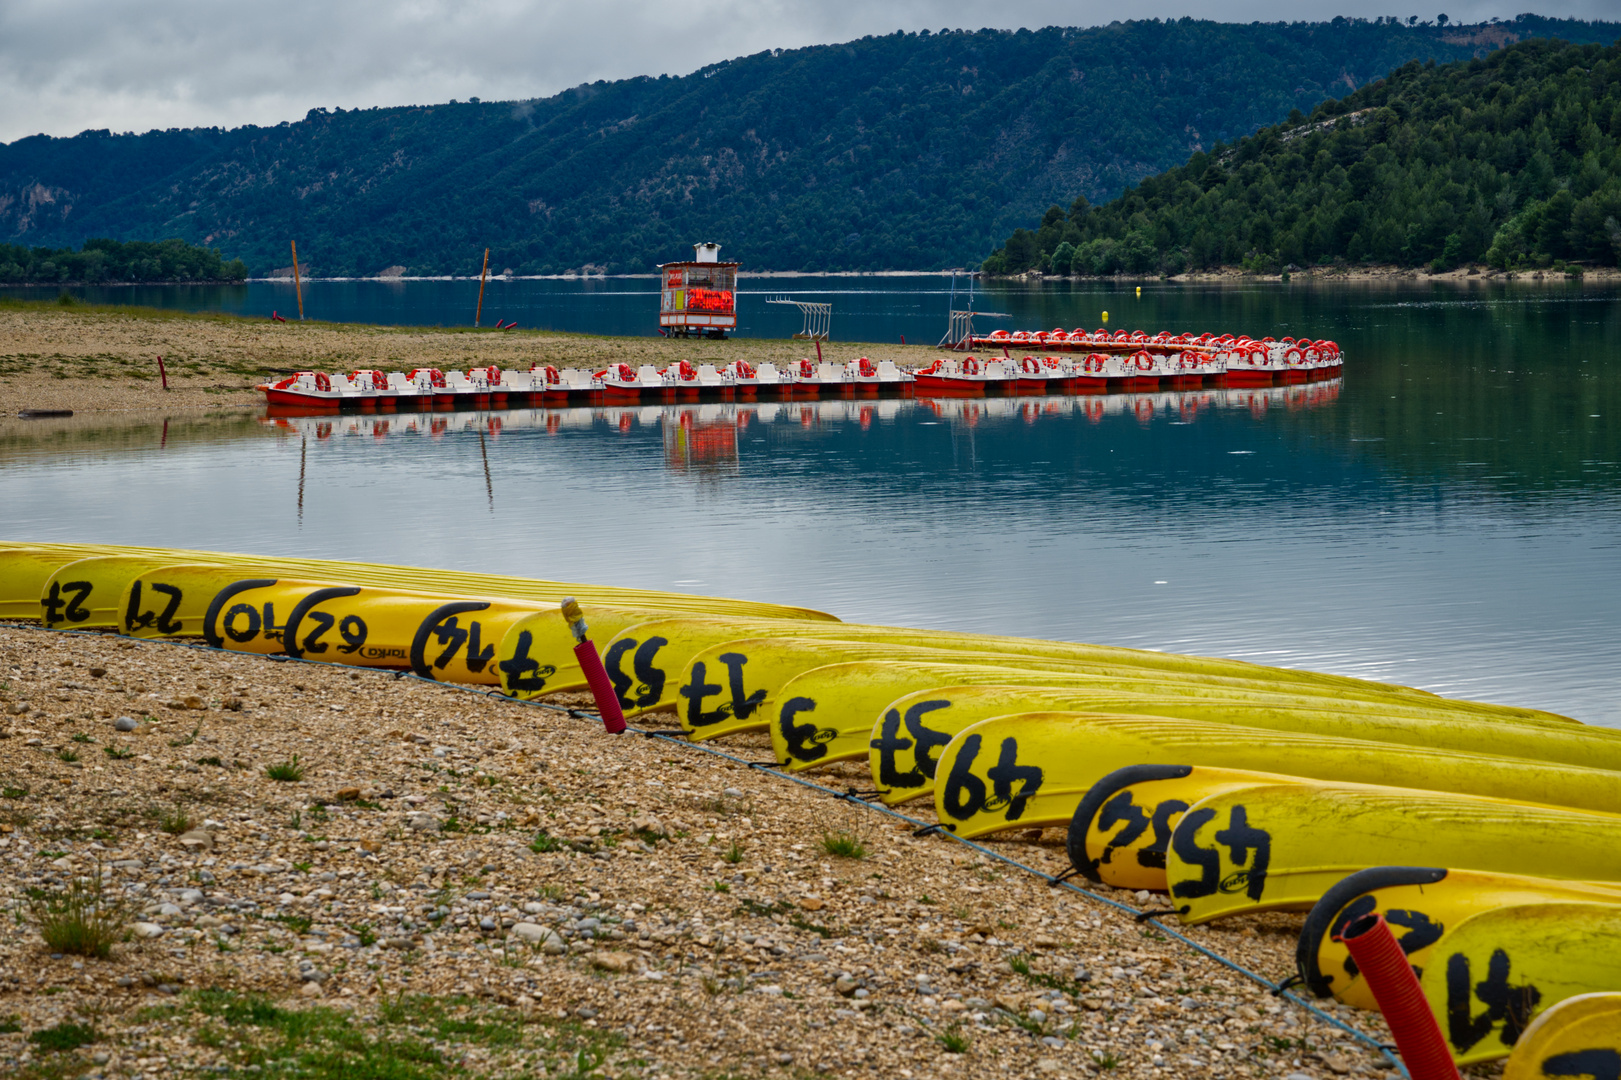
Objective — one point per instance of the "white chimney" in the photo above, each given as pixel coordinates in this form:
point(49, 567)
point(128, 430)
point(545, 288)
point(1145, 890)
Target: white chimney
point(707, 252)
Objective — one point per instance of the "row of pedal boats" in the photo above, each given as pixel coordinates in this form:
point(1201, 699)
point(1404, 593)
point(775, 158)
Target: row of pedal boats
point(1487, 836)
point(1132, 365)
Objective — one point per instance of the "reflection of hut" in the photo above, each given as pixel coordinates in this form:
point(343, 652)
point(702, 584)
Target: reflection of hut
point(700, 438)
point(699, 298)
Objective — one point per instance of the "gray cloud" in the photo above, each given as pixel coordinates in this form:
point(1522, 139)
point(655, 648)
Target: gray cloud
point(132, 65)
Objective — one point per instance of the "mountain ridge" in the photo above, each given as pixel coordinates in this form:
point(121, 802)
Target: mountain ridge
point(904, 151)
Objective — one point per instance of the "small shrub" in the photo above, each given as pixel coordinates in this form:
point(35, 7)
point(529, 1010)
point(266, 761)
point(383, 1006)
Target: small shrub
point(67, 754)
point(733, 853)
point(844, 845)
point(81, 737)
point(117, 753)
point(63, 1036)
point(13, 793)
point(81, 919)
point(174, 822)
point(544, 842)
point(953, 1040)
point(289, 772)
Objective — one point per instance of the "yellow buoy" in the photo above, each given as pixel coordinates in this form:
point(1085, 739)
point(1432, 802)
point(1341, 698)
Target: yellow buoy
point(1105, 316)
point(1139, 291)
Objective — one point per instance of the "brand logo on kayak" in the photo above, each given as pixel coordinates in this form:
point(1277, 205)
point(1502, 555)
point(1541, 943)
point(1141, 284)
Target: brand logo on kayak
point(374, 653)
point(1235, 882)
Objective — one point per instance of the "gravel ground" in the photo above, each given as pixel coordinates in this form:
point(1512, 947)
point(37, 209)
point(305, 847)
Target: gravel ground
point(462, 881)
point(101, 360)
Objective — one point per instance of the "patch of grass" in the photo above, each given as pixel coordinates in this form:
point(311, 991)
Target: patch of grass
point(174, 822)
point(187, 740)
point(67, 754)
point(298, 924)
point(9, 1025)
point(303, 867)
point(953, 1041)
point(1105, 1059)
point(287, 772)
point(721, 887)
point(814, 928)
point(64, 1036)
point(544, 842)
point(13, 793)
point(213, 760)
point(82, 919)
point(81, 737)
point(844, 845)
point(1041, 978)
point(367, 936)
point(733, 853)
point(117, 753)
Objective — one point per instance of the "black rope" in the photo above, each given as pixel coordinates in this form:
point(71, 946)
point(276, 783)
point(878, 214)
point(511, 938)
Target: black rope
point(1296, 979)
point(1061, 878)
point(1154, 913)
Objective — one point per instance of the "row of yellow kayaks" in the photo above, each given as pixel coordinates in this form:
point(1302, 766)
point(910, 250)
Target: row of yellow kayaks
point(1229, 787)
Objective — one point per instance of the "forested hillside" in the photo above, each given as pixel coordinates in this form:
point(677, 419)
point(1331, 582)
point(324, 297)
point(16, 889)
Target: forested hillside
point(907, 151)
point(112, 261)
point(1514, 160)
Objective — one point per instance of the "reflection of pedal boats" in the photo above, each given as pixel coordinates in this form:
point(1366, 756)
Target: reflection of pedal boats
point(1168, 404)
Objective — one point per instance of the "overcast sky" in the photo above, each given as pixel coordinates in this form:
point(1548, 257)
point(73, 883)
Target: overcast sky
point(132, 65)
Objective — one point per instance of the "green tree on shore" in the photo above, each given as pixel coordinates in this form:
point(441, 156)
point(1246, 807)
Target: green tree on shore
point(1512, 160)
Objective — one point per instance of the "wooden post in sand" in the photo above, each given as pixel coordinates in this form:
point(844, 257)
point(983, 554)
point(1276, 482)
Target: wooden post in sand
point(482, 276)
point(297, 285)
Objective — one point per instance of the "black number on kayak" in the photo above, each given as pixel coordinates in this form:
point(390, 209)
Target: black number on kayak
point(454, 638)
point(1599, 1063)
point(741, 706)
point(58, 610)
point(806, 742)
point(353, 631)
point(1511, 1006)
point(649, 680)
point(444, 626)
point(271, 631)
point(522, 674)
point(1422, 931)
point(250, 628)
point(163, 621)
point(964, 793)
point(1243, 840)
point(312, 642)
point(1012, 785)
point(1005, 774)
point(1208, 860)
point(923, 743)
point(1124, 809)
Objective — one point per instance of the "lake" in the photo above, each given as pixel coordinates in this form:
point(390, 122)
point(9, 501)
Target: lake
point(1448, 515)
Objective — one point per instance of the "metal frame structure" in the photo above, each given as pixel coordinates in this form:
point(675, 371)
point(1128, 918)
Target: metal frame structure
point(818, 318)
point(960, 324)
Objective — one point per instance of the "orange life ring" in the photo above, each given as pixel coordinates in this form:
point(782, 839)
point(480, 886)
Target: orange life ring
point(1030, 365)
point(379, 381)
point(865, 367)
point(1094, 363)
point(806, 371)
point(745, 369)
point(1143, 361)
point(492, 375)
point(626, 374)
point(970, 366)
point(323, 381)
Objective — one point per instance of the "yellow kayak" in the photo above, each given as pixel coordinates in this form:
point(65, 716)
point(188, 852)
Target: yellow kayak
point(1061, 756)
point(1419, 904)
point(1579, 1037)
point(1283, 846)
point(1490, 975)
point(21, 577)
point(924, 720)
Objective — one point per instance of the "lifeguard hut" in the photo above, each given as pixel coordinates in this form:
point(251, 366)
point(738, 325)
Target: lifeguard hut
point(699, 298)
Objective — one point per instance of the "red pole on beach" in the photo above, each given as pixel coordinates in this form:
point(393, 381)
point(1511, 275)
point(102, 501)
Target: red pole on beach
point(164, 375)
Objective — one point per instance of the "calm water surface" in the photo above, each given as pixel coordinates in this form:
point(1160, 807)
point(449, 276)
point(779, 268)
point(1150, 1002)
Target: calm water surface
point(1446, 516)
